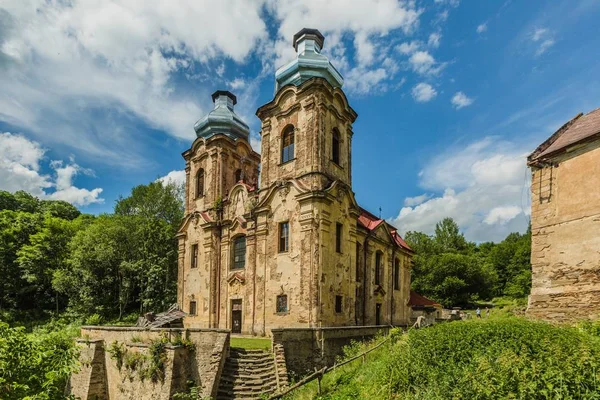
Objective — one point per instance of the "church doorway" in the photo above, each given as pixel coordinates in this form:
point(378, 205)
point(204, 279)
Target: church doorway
point(236, 316)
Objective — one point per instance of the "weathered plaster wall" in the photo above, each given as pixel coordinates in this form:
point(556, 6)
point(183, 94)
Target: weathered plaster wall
point(101, 377)
point(309, 348)
point(565, 224)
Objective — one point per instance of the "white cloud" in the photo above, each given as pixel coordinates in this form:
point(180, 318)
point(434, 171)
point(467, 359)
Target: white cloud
point(543, 40)
point(409, 47)
point(482, 27)
point(119, 56)
point(484, 187)
point(460, 100)
point(176, 176)
point(502, 215)
point(237, 83)
point(423, 92)
point(415, 201)
point(434, 40)
point(423, 63)
point(20, 169)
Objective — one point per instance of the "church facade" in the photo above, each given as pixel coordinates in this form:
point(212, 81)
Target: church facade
point(289, 246)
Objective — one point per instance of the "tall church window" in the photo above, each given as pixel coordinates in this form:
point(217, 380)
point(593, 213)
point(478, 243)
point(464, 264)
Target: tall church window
point(338, 304)
point(200, 183)
point(335, 147)
point(194, 256)
point(284, 237)
point(238, 175)
point(338, 237)
point(358, 249)
point(397, 274)
point(193, 310)
point(378, 268)
point(239, 252)
point(282, 303)
point(287, 146)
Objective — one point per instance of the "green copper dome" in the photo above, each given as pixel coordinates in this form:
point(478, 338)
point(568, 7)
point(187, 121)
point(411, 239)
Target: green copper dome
point(222, 119)
point(310, 62)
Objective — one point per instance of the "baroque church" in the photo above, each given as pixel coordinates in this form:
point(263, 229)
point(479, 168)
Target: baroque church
point(286, 247)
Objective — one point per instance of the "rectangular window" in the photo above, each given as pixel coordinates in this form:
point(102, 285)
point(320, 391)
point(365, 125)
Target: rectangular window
point(192, 308)
point(282, 304)
point(194, 255)
point(284, 237)
point(239, 253)
point(338, 304)
point(378, 268)
point(338, 237)
point(397, 275)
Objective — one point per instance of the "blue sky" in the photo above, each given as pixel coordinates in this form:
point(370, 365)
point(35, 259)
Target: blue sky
point(99, 96)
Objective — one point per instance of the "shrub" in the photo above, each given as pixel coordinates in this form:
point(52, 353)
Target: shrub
point(509, 358)
point(35, 366)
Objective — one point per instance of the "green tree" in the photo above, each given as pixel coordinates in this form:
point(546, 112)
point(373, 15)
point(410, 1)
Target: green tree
point(448, 236)
point(16, 227)
point(154, 200)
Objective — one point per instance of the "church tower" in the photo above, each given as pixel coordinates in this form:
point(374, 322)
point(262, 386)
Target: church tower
point(307, 127)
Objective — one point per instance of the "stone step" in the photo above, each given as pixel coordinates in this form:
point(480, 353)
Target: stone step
point(256, 357)
point(243, 393)
point(250, 376)
point(231, 370)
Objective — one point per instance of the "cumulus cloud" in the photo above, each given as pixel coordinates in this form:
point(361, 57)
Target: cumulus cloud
point(423, 92)
point(482, 27)
point(119, 56)
point(415, 201)
point(434, 40)
point(483, 186)
point(176, 177)
point(423, 63)
point(409, 47)
point(20, 169)
point(460, 100)
point(543, 40)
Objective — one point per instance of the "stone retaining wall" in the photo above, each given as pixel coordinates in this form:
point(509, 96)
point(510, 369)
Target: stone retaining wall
point(101, 377)
point(308, 348)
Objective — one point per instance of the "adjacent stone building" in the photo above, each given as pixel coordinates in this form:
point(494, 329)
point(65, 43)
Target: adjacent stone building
point(295, 249)
point(565, 222)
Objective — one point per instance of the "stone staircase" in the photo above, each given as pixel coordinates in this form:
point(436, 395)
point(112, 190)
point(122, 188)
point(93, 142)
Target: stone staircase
point(249, 374)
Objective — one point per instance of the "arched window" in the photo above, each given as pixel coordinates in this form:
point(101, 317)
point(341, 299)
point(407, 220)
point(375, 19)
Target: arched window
point(238, 175)
point(335, 146)
point(379, 268)
point(239, 253)
point(200, 183)
point(287, 144)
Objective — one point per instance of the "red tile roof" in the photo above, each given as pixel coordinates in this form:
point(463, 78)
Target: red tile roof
point(580, 128)
point(370, 221)
point(418, 300)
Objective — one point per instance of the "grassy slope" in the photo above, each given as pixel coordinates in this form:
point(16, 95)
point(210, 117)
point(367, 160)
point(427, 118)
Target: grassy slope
point(497, 358)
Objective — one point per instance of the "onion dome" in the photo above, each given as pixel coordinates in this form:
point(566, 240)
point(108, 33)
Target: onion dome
point(309, 63)
point(222, 119)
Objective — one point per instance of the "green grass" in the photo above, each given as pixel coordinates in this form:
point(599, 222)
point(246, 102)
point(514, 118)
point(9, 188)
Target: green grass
point(250, 343)
point(495, 358)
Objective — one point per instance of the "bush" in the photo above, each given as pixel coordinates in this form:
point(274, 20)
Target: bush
point(508, 358)
point(35, 366)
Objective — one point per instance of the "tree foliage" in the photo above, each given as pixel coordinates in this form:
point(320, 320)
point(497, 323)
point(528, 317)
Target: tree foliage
point(53, 258)
point(455, 272)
